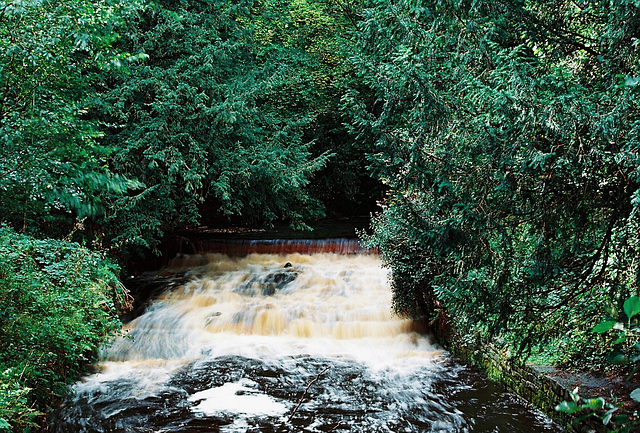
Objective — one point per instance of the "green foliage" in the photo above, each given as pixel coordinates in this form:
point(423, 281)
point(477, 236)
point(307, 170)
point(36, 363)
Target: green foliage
point(52, 166)
point(59, 301)
point(578, 404)
point(599, 408)
point(313, 31)
point(631, 307)
point(210, 116)
point(621, 329)
point(626, 352)
point(120, 121)
point(15, 411)
point(508, 136)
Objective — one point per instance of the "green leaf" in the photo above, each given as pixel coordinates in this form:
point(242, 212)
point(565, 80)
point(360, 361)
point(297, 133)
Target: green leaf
point(620, 419)
point(594, 403)
point(620, 340)
point(635, 394)
point(604, 326)
point(632, 306)
point(4, 424)
point(618, 358)
point(567, 407)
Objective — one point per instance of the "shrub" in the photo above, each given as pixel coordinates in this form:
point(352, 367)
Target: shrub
point(59, 301)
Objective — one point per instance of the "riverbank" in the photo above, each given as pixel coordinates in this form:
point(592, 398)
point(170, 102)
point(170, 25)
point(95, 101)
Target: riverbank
point(546, 387)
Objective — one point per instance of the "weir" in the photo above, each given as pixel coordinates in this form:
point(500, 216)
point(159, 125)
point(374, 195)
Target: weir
point(241, 247)
point(287, 342)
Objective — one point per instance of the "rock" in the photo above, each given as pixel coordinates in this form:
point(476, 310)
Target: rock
point(268, 284)
point(276, 280)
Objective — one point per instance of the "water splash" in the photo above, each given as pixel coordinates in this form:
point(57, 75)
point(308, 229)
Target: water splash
point(258, 305)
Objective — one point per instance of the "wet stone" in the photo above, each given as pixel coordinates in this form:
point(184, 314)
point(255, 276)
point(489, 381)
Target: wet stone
point(269, 284)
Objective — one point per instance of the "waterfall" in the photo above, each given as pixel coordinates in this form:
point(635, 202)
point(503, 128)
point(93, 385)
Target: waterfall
point(283, 343)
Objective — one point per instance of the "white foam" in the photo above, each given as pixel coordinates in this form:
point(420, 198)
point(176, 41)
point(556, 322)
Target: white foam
point(336, 305)
point(236, 398)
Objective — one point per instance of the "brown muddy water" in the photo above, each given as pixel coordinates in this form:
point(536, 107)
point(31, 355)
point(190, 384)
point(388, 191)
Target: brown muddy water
point(284, 343)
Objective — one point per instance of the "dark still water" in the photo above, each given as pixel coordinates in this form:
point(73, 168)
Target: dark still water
point(275, 343)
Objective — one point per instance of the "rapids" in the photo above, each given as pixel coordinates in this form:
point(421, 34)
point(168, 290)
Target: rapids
point(284, 343)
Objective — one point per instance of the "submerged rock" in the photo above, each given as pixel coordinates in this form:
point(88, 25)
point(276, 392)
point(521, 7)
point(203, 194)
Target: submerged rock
point(267, 285)
point(277, 280)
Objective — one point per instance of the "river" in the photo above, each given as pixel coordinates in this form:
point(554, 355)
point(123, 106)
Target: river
point(284, 343)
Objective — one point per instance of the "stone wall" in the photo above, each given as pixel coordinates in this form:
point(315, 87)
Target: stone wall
point(529, 382)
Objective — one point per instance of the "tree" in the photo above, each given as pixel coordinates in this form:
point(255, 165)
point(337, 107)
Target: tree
point(52, 167)
point(208, 118)
point(508, 137)
point(316, 31)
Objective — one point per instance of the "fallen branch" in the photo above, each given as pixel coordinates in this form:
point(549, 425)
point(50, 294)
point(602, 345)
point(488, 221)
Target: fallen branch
point(304, 394)
point(336, 427)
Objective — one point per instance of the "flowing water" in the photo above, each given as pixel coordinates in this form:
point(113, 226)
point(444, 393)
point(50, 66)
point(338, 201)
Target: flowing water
point(284, 343)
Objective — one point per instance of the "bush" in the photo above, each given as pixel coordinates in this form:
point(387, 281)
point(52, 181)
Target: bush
point(59, 301)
